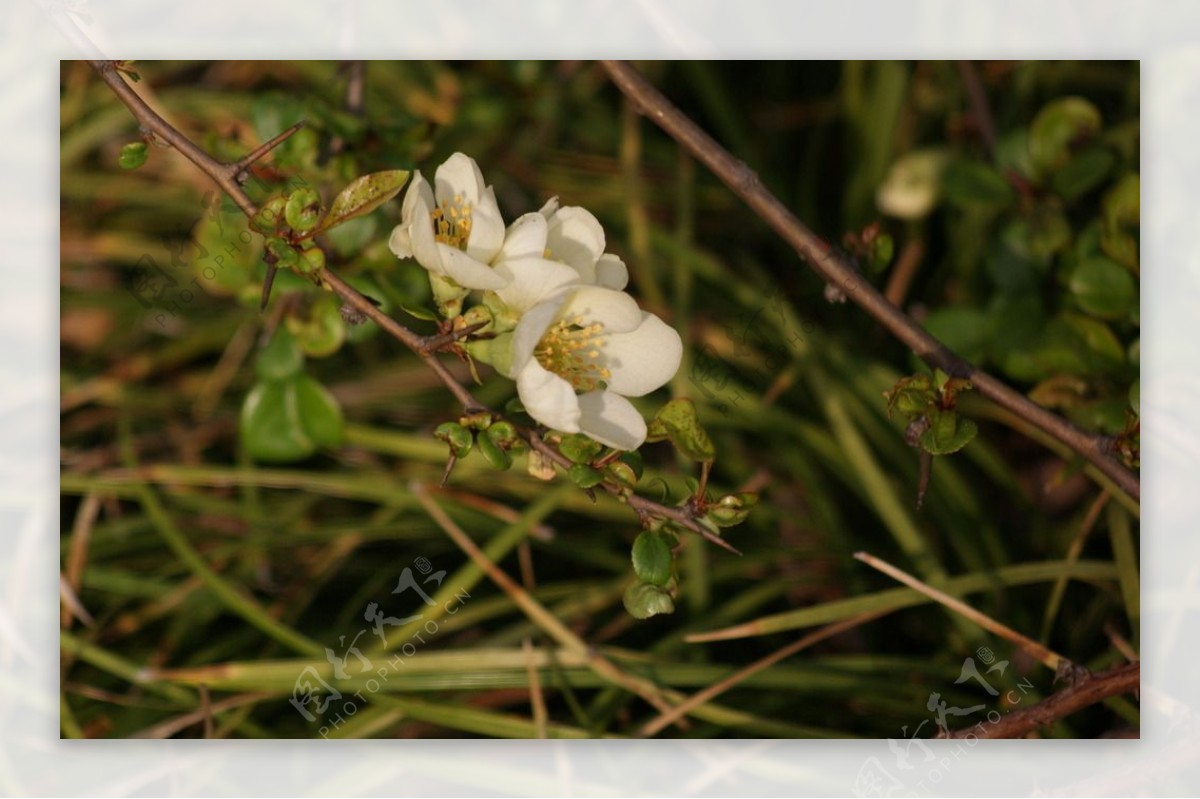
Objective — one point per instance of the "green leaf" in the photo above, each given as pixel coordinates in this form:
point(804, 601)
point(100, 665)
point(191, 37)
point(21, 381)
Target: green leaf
point(1059, 127)
point(1086, 170)
point(644, 600)
point(678, 422)
point(420, 313)
point(288, 420)
point(652, 557)
point(579, 448)
point(133, 155)
point(365, 195)
point(491, 452)
point(270, 425)
point(267, 219)
point(584, 476)
point(322, 330)
point(964, 329)
point(458, 438)
point(320, 414)
point(1104, 288)
point(303, 210)
point(948, 432)
point(973, 183)
point(1121, 211)
point(281, 358)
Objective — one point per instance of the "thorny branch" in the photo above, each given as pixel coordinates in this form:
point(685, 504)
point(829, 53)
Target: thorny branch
point(835, 269)
point(226, 176)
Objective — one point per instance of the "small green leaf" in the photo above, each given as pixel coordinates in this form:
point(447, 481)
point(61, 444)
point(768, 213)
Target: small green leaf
point(1059, 127)
point(503, 433)
point(584, 476)
point(1121, 211)
point(733, 509)
point(420, 313)
point(270, 426)
point(678, 422)
point(320, 414)
point(268, 218)
point(458, 438)
point(365, 195)
point(133, 155)
point(286, 256)
point(1103, 288)
point(321, 331)
point(579, 448)
point(652, 557)
point(491, 452)
point(303, 210)
point(281, 358)
point(975, 184)
point(1086, 170)
point(644, 600)
point(948, 432)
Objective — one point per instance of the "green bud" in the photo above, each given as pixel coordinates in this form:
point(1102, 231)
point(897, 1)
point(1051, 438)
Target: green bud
point(496, 457)
point(634, 460)
point(480, 420)
point(585, 476)
point(579, 448)
point(456, 436)
point(475, 315)
point(504, 434)
point(269, 217)
point(311, 260)
point(623, 473)
point(133, 155)
point(732, 509)
point(286, 257)
point(303, 210)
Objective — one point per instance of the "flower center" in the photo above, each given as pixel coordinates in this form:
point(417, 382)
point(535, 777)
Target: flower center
point(571, 350)
point(452, 222)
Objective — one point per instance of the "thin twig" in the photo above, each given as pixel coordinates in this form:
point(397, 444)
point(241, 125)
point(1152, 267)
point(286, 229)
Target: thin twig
point(1087, 690)
point(836, 270)
point(980, 110)
point(239, 168)
point(1050, 659)
point(537, 702)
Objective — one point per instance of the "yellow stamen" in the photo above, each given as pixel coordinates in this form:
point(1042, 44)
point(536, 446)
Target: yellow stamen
point(569, 349)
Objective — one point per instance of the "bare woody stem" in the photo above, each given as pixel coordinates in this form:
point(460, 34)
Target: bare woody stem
point(226, 177)
point(1086, 690)
point(834, 268)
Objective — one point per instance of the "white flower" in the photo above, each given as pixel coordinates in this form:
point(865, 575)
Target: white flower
point(594, 340)
point(453, 229)
point(529, 276)
point(575, 238)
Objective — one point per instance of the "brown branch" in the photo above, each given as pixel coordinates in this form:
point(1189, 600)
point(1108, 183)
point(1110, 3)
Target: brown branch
point(1086, 690)
point(836, 270)
point(425, 347)
point(980, 111)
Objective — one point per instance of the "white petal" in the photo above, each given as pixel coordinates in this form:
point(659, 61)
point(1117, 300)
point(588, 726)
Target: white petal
point(400, 243)
point(466, 271)
point(611, 419)
point(459, 176)
point(643, 359)
point(487, 228)
point(525, 238)
point(611, 272)
point(532, 280)
point(548, 398)
point(576, 238)
point(423, 241)
point(418, 202)
point(549, 208)
point(616, 310)
point(529, 332)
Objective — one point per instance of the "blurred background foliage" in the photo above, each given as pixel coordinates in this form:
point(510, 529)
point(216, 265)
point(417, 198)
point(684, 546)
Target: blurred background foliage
point(1007, 194)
